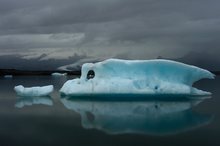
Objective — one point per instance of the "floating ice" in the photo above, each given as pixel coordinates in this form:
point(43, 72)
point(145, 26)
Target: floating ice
point(8, 76)
point(29, 101)
point(114, 76)
point(33, 91)
point(148, 117)
point(56, 74)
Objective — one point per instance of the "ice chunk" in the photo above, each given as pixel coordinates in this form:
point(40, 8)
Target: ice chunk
point(114, 76)
point(29, 101)
point(56, 74)
point(33, 91)
point(8, 76)
point(148, 117)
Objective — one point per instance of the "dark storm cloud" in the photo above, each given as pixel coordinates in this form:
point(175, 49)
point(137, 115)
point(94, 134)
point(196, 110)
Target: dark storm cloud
point(58, 13)
point(139, 28)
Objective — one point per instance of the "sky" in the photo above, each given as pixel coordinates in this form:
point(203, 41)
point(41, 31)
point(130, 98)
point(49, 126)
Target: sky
point(41, 30)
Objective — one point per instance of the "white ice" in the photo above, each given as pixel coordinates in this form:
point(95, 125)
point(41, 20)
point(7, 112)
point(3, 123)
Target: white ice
point(8, 76)
point(114, 76)
point(56, 74)
point(33, 91)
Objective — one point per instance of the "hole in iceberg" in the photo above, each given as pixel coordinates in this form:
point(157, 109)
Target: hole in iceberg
point(90, 74)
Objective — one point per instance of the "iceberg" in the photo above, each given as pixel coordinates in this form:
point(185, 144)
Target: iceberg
point(8, 76)
point(56, 74)
point(147, 77)
point(29, 101)
point(156, 117)
point(33, 91)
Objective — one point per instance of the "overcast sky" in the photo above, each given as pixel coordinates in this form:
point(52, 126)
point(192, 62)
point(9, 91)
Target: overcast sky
point(135, 29)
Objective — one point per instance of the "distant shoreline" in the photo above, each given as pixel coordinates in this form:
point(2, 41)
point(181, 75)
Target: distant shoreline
point(15, 72)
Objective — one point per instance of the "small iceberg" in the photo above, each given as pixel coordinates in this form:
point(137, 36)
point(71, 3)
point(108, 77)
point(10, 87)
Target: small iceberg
point(146, 77)
point(33, 91)
point(56, 74)
point(8, 76)
point(29, 101)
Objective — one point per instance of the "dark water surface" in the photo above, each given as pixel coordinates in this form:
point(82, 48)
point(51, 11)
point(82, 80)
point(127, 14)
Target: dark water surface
point(63, 121)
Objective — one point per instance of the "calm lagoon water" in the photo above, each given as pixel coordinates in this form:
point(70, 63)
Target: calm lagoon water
point(60, 121)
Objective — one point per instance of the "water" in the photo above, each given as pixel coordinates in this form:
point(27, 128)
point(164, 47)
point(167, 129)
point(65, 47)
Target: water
point(67, 121)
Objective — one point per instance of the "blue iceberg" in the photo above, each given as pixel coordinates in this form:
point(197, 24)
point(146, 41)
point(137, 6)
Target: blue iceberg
point(147, 77)
point(33, 91)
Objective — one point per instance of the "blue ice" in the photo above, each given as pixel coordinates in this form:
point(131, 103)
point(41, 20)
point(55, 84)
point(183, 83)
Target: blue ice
point(115, 76)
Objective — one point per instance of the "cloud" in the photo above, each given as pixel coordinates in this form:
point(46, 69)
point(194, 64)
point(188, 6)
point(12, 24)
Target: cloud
point(141, 29)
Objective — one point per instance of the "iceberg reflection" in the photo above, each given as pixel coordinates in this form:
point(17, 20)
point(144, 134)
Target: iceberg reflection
point(28, 101)
point(141, 117)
